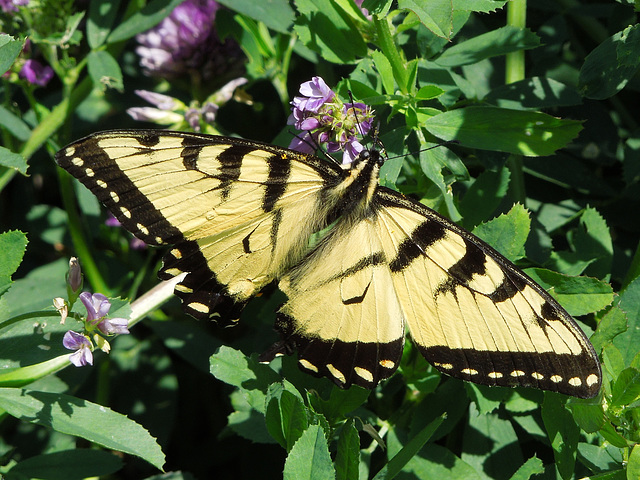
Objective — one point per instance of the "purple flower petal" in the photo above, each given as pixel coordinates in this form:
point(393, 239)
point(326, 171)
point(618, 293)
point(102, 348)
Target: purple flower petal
point(82, 357)
point(74, 340)
point(163, 102)
point(97, 305)
point(36, 73)
point(114, 325)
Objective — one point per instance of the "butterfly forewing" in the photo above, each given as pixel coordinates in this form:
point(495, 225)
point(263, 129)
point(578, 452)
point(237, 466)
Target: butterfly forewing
point(237, 212)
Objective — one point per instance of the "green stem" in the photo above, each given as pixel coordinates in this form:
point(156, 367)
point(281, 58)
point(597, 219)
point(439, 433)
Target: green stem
point(514, 72)
point(391, 51)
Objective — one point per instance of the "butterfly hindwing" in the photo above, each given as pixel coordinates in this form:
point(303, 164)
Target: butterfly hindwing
point(236, 212)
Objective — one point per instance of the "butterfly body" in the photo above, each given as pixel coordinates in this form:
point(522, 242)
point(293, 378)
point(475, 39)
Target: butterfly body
point(240, 215)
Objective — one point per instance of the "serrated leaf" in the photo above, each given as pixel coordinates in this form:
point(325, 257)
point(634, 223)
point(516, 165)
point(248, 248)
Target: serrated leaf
point(507, 233)
point(13, 160)
point(494, 43)
point(233, 367)
point(309, 458)
point(285, 414)
point(83, 419)
point(532, 466)
point(12, 246)
point(608, 68)
point(521, 132)
point(484, 6)
point(592, 241)
point(578, 295)
point(348, 452)
point(10, 48)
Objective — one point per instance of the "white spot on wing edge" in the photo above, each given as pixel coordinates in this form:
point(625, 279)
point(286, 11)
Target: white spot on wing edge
point(198, 307)
point(337, 374)
point(575, 381)
point(555, 378)
point(495, 375)
point(592, 380)
point(364, 373)
point(469, 371)
point(308, 365)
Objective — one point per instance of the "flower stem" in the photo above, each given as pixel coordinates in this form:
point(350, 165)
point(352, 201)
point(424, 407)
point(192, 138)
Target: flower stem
point(515, 71)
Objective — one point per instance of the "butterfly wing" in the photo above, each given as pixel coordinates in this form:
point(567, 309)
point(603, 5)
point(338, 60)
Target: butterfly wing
point(237, 212)
point(471, 313)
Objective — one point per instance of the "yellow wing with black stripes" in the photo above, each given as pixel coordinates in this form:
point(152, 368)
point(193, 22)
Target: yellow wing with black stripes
point(239, 215)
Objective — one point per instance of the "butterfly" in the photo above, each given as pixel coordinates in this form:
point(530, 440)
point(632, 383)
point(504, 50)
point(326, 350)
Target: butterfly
point(239, 215)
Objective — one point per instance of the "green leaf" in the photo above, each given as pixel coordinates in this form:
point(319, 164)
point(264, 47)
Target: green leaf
point(610, 66)
point(83, 419)
point(286, 414)
point(400, 459)
point(12, 246)
point(507, 233)
point(612, 324)
point(233, 367)
point(494, 43)
point(629, 303)
point(10, 48)
point(484, 6)
point(532, 466)
point(101, 17)
point(13, 160)
point(633, 464)
point(348, 452)
point(588, 414)
point(533, 93)
point(592, 241)
point(68, 465)
point(325, 28)
point(626, 388)
point(147, 18)
point(484, 196)
point(309, 458)
point(436, 15)
point(512, 131)
point(105, 71)
point(384, 70)
point(562, 431)
point(340, 403)
point(578, 295)
point(14, 124)
point(275, 14)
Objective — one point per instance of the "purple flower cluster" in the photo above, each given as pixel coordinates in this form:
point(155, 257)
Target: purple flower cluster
point(10, 6)
point(325, 119)
point(36, 73)
point(186, 43)
point(97, 307)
